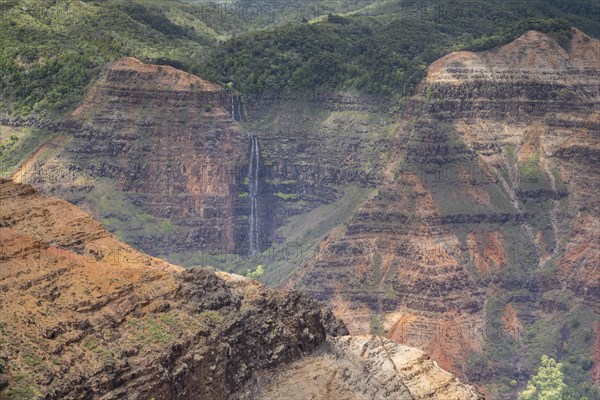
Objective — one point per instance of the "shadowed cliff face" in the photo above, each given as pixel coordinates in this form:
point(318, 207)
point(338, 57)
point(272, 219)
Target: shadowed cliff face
point(85, 316)
point(157, 143)
point(482, 231)
point(157, 156)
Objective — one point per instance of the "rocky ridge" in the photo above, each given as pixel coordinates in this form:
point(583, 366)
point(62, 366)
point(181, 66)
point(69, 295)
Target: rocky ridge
point(83, 316)
point(337, 370)
point(482, 212)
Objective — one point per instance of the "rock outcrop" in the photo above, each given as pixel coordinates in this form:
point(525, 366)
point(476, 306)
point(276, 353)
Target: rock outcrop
point(529, 111)
point(486, 213)
point(157, 145)
point(83, 316)
point(161, 142)
point(337, 371)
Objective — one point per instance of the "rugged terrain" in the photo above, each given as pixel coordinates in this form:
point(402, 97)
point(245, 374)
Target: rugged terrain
point(481, 246)
point(151, 145)
point(86, 316)
point(465, 225)
point(336, 371)
point(161, 157)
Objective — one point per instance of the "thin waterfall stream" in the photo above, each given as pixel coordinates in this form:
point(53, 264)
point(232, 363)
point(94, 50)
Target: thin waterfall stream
point(237, 111)
point(253, 230)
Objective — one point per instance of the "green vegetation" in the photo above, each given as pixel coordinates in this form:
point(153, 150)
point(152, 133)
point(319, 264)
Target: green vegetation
point(52, 49)
point(286, 196)
point(16, 143)
point(156, 333)
point(477, 366)
point(33, 361)
point(118, 213)
point(256, 273)
point(161, 328)
point(547, 384)
point(96, 348)
point(211, 315)
point(304, 232)
point(568, 339)
point(530, 173)
point(382, 54)
point(23, 389)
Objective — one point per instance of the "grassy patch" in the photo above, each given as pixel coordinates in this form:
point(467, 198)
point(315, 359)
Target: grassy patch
point(211, 315)
point(286, 196)
point(118, 213)
point(97, 348)
point(33, 360)
point(305, 231)
point(151, 330)
point(163, 327)
point(23, 389)
point(16, 144)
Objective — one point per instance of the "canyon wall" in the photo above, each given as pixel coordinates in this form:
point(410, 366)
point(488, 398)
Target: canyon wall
point(313, 143)
point(84, 316)
point(153, 143)
point(482, 231)
point(465, 225)
point(161, 157)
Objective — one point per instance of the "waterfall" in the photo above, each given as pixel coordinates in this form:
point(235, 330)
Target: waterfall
point(233, 107)
point(236, 107)
point(253, 231)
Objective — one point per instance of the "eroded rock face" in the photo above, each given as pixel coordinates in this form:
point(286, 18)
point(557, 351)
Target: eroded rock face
point(529, 112)
point(157, 140)
point(337, 371)
point(157, 155)
point(83, 316)
point(491, 177)
point(313, 143)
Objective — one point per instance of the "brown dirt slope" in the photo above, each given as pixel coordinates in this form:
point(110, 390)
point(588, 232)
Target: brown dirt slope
point(83, 316)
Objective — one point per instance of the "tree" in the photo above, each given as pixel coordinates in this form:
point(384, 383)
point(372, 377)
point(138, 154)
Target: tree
point(256, 273)
point(547, 384)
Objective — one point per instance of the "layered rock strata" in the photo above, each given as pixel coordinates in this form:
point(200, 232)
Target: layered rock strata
point(161, 142)
point(487, 211)
point(84, 316)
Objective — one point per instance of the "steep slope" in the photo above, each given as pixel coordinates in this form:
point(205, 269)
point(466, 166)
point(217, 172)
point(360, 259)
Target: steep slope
point(85, 316)
point(151, 144)
point(480, 247)
point(52, 49)
point(545, 140)
point(322, 156)
point(336, 371)
point(157, 155)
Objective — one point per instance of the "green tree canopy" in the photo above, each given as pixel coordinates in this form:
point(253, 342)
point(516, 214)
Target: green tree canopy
point(547, 384)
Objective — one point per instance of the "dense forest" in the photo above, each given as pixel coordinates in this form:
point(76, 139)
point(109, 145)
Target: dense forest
point(52, 49)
